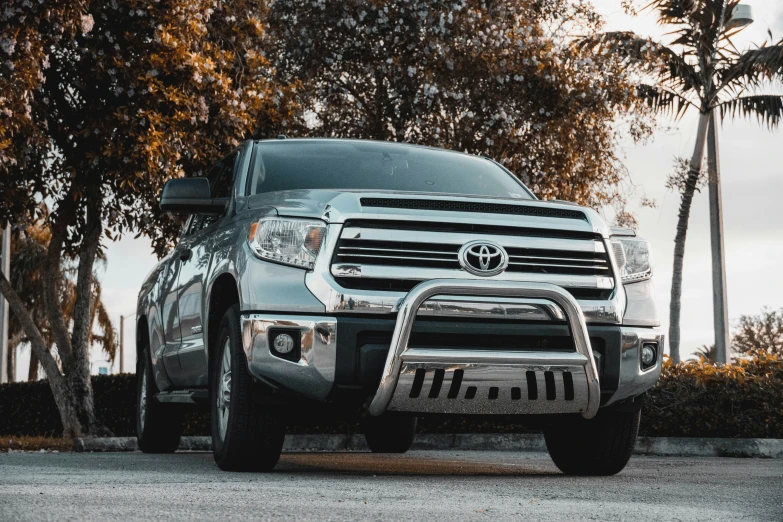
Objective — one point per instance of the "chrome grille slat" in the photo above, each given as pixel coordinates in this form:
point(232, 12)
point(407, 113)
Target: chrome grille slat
point(564, 259)
point(559, 266)
point(454, 259)
point(373, 249)
point(460, 238)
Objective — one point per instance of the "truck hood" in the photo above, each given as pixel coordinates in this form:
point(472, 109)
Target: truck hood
point(338, 206)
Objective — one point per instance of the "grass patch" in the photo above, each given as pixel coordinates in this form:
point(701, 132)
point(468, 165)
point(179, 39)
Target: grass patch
point(13, 443)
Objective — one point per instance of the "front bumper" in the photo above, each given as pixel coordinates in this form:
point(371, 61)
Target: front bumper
point(340, 354)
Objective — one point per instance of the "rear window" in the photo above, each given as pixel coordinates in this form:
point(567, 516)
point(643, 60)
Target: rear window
point(353, 165)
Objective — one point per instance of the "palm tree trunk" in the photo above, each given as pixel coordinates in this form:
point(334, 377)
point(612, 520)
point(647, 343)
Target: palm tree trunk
point(675, 305)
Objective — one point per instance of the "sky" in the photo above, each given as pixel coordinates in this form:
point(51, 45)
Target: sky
point(752, 177)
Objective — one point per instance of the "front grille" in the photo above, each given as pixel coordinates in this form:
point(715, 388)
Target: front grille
point(472, 206)
point(391, 256)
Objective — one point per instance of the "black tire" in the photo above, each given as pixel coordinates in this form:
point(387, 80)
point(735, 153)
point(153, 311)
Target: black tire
point(158, 426)
point(390, 432)
point(600, 446)
point(252, 439)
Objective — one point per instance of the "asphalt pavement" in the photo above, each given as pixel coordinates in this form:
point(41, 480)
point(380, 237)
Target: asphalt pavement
point(420, 486)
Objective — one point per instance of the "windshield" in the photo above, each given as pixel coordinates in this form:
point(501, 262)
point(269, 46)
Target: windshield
point(357, 165)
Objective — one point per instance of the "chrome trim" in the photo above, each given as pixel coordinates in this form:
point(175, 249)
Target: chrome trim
point(633, 380)
point(460, 238)
point(484, 252)
point(485, 288)
point(560, 266)
point(490, 357)
point(569, 259)
point(426, 273)
point(490, 388)
point(458, 306)
point(404, 250)
point(313, 375)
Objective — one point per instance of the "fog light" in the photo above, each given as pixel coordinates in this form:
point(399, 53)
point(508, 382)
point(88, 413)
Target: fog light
point(649, 355)
point(283, 343)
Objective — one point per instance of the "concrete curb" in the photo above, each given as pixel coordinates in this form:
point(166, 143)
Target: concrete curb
point(658, 446)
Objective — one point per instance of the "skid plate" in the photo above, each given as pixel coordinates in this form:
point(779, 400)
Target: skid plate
point(490, 389)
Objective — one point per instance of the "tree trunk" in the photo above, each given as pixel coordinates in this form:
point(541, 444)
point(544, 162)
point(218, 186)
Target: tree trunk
point(72, 389)
point(11, 361)
point(675, 305)
point(76, 365)
point(32, 371)
point(57, 384)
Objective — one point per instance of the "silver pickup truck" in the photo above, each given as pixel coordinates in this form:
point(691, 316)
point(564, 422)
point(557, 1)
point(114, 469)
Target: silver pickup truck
point(379, 282)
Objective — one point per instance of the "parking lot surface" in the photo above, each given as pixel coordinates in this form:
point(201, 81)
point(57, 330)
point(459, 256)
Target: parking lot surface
point(420, 485)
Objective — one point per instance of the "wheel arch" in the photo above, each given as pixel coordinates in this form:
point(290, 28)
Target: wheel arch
point(223, 293)
point(142, 335)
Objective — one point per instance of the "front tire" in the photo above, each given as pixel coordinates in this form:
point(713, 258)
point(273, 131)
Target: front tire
point(599, 446)
point(390, 433)
point(158, 426)
point(245, 436)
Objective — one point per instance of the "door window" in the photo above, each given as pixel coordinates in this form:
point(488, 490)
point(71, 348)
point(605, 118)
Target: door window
point(221, 180)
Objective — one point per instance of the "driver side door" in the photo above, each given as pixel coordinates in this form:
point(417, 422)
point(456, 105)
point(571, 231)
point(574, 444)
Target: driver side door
point(195, 254)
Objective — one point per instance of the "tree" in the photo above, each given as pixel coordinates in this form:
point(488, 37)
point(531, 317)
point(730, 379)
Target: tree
point(101, 103)
point(28, 247)
point(498, 79)
point(706, 354)
point(762, 332)
point(700, 69)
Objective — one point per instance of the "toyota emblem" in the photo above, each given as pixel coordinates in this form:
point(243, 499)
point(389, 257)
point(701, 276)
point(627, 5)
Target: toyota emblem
point(483, 258)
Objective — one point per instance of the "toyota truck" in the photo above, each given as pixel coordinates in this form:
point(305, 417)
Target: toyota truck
point(378, 283)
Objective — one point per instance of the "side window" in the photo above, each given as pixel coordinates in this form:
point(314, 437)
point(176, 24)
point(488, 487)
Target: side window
point(221, 180)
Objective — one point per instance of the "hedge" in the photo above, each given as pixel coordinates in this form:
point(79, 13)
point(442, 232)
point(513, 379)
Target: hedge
point(744, 399)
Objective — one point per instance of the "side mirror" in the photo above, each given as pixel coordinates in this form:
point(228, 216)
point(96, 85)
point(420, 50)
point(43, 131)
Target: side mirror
point(191, 196)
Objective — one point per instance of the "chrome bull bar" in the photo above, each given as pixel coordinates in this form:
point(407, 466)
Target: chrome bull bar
point(404, 367)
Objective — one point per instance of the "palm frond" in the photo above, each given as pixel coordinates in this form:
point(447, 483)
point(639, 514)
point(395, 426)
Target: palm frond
point(672, 11)
point(768, 109)
point(756, 66)
point(646, 55)
point(663, 101)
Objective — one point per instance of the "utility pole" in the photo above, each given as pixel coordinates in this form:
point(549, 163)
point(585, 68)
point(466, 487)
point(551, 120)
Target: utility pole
point(122, 340)
point(122, 344)
point(719, 297)
point(5, 265)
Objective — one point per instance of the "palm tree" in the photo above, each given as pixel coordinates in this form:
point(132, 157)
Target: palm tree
point(28, 247)
point(706, 354)
point(700, 69)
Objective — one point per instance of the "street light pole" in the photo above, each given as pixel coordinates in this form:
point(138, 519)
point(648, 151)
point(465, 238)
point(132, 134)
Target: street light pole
point(741, 16)
point(122, 340)
point(122, 344)
point(5, 266)
point(719, 297)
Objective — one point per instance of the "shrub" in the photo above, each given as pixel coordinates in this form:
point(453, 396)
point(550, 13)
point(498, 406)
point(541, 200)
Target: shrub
point(698, 399)
point(692, 399)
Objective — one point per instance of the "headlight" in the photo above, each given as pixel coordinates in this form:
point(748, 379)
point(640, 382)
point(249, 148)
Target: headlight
point(633, 258)
point(294, 242)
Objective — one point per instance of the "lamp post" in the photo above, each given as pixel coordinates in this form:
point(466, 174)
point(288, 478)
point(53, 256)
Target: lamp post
point(741, 16)
point(122, 340)
point(5, 267)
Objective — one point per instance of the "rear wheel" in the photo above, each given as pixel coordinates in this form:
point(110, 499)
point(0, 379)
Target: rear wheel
point(598, 446)
point(390, 433)
point(158, 426)
point(245, 436)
